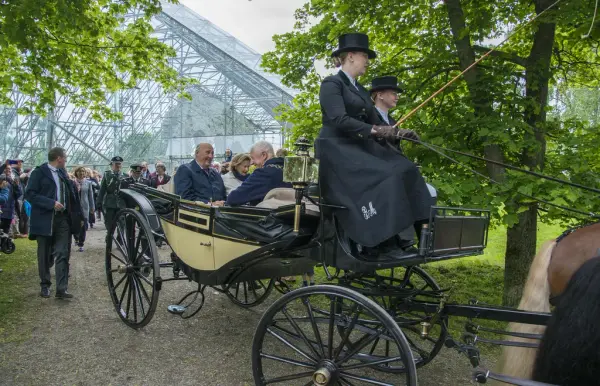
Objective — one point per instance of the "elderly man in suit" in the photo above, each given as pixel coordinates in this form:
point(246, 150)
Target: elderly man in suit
point(55, 216)
point(267, 176)
point(197, 181)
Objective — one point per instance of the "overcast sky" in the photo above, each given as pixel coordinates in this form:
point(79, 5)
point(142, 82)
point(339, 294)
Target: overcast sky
point(253, 22)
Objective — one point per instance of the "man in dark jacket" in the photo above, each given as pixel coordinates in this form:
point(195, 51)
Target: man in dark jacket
point(55, 216)
point(197, 181)
point(267, 176)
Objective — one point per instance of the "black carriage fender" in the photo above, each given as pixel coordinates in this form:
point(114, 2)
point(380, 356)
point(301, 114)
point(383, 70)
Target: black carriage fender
point(142, 204)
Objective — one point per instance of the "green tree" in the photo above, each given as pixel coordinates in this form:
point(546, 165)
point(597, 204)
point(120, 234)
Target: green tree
point(82, 49)
point(498, 109)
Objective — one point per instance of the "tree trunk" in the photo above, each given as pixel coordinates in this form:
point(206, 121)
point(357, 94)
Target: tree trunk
point(520, 249)
point(482, 104)
point(521, 238)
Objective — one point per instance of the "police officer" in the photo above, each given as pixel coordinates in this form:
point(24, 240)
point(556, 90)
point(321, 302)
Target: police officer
point(136, 175)
point(108, 199)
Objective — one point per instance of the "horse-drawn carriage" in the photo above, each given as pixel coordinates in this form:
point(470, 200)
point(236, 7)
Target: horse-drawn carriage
point(383, 319)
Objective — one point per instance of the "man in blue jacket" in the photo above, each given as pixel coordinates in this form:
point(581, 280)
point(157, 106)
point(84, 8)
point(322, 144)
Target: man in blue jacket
point(3, 192)
point(267, 176)
point(197, 181)
point(55, 216)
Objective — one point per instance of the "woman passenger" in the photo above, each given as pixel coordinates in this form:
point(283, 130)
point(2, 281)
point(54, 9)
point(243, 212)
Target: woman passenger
point(382, 192)
point(238, 172)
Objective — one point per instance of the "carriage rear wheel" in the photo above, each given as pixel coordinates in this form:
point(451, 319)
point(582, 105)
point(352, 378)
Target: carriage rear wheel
point(249, 294)
point(395, 290)
point(132, 268)
point(297, 341)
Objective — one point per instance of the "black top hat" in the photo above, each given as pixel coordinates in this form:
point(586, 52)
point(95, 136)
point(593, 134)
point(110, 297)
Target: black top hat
point(116, 159)
point(136, 168)
point(385, 83)
point(354, 42)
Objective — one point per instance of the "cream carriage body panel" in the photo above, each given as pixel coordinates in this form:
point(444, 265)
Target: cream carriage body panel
point(193, 248)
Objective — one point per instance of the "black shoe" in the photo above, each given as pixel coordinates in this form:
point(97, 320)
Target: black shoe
point(63, 295)
point(45, 292)
point(406, 244)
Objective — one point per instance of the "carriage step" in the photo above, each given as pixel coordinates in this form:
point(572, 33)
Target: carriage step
point(176, 309)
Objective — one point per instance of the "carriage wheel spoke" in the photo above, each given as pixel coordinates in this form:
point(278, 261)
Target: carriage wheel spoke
point(300, 332)
point(139, 293)
point(362, 343)
point(287, 343)
point(422, 352)
point(245, 284)
point(118, 258)
point(331, 323)
point(356, 312)
point(144, 278)
point(123, 293)
point(142, 289)
point(128, 298)
point(119, 282)
point(344, 382)
point(135, 309)
point(365, 379)
point(290, 377)
point(313, 323)
point(369, 364)
point(287, 360)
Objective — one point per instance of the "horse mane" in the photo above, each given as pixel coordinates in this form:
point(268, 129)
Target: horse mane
point(569, 351)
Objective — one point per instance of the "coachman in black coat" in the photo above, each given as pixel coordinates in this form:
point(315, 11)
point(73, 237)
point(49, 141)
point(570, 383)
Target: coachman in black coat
point(382, 191)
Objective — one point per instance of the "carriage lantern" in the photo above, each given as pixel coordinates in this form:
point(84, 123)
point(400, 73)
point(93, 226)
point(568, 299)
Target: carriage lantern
point(300, 170)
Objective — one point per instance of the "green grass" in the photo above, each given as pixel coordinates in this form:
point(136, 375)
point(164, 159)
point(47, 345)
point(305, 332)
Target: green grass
point(19, 276)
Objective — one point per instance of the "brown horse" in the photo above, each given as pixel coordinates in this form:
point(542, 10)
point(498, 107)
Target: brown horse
point(550, 272)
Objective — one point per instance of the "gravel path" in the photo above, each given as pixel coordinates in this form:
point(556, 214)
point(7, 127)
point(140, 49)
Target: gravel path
point(83, 342)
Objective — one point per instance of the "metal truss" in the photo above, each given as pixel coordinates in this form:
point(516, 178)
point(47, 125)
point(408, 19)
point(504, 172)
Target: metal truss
point(227, 71)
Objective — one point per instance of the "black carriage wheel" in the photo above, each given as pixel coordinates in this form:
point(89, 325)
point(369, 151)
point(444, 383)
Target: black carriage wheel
point(394, 290)
point(297, 343)
point(8, 246)
point(132, 268)
point(249, 294)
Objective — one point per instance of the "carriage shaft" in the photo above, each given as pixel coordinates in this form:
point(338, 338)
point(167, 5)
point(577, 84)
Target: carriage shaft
point(502, 314)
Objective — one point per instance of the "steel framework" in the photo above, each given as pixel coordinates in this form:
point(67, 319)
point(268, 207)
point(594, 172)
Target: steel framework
point(243, 98)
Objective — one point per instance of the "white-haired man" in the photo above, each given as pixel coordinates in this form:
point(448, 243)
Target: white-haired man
point(267, 176)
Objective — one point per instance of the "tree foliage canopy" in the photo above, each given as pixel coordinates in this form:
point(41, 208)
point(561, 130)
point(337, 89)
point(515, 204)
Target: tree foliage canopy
point(80, 49)
point(499, 109)
point(414, 41)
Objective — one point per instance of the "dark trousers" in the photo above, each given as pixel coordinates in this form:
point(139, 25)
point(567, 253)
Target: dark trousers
point(80, 238)
point(55, 250)
point(5, 225)
point(109, 216)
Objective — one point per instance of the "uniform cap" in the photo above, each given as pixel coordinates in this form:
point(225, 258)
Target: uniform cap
point(136, 167)
point(116, 159)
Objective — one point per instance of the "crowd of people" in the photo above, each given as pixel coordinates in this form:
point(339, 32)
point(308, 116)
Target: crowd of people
point(64, 205)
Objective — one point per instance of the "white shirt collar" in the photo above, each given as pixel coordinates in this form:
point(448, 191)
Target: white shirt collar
point(53, 168)
point(384, 115)
point(352, 80)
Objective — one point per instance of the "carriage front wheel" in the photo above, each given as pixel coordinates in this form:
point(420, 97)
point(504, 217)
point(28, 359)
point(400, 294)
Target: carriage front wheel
point(132, 268)
point(297, 341)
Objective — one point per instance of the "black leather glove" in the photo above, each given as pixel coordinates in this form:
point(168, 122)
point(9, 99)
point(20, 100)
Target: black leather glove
point(387, 132)
point(405, 133)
